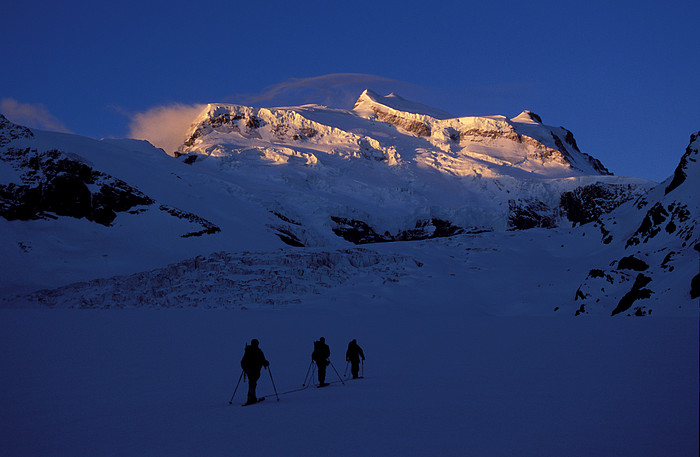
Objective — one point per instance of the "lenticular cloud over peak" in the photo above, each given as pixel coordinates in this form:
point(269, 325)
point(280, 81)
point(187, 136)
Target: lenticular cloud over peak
point(335, 90)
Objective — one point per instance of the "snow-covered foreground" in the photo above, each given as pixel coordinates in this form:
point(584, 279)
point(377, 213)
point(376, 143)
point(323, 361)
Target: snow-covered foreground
point(437, 381)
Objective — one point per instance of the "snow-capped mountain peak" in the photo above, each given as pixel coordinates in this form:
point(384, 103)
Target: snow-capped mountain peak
point(370, 102)
point(304, 176)
point(527, 117)
point(396, 169)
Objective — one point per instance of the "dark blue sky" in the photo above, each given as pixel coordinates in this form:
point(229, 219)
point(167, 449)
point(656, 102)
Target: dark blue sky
point(623, 76)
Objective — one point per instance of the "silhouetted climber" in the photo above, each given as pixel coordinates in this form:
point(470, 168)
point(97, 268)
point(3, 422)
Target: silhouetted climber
point(252, 362)
point(320, 356)
point(353, 355)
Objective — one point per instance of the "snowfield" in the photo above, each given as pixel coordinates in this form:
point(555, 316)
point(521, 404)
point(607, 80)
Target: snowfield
point(465, 356)
point(437, 382)
point(511, 296)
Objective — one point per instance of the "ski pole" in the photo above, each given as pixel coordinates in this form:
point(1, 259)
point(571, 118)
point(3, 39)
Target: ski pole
point(307, 374)
point(273, 383)
point(363, 368)
point(346, 368)
point(234, 390)
point(336, 372)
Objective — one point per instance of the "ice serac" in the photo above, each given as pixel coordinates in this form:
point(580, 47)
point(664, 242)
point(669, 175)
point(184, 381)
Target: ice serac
point(656, 240)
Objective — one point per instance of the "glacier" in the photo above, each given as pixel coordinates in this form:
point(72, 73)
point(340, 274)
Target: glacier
point(511, 295)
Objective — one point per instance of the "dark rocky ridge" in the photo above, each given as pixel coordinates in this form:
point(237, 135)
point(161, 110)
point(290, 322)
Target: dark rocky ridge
point(10, 131)
point(637, 292)
point(587, 203)
point(55, 183)
point(246, 121)
point(410, 125)
point(662, 244)
point(359, 232)
point(673, 216)
point(527, 214)
point(680, 173)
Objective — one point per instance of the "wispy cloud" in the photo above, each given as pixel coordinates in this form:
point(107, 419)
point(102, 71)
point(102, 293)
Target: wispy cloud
point(31, 115)
point(164, 126)
point(337, 90)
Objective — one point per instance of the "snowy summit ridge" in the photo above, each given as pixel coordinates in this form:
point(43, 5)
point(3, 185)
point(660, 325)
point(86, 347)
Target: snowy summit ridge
point(391, 167)
point(370, 100)
point(490, 146)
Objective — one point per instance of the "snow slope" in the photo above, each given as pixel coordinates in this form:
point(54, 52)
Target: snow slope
point(438, 382)
point(470, 336)
point(53, 247)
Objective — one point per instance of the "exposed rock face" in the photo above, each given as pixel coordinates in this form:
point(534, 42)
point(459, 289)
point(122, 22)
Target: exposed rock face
point(691, 155)
point(660, 218)
point(410, 125)
point(632, 263)
point(208, 228)
point(659, 235)
point(359, 232)
point(695, 282)
point(533, 116)
point(676, 212)
point(637, 292)
point(586, 204)
point(10, 131)
point(54, 183)
point(592, 162)
point(243, 120)
point(530, 214)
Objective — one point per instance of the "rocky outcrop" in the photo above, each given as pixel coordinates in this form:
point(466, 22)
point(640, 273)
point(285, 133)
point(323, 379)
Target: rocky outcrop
point(587, 203)
point(695, 282)
point(659, 235)
point(632, 263)
point(208, 228)
point(54, 183)
point(50, 184)
point(659, 218)
point(10, 131)
point(413, 126)
point(691, 155)
point(637, 292)
point(359, 232)
point(244, 121)
point(527, 214)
